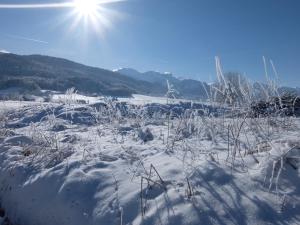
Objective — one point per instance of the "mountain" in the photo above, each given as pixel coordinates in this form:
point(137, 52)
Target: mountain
point(35, 72)
point(32, 73)
point(295, 90)
point(150, 76)
point(22, 74)
point(2, 51)
point(187, 88)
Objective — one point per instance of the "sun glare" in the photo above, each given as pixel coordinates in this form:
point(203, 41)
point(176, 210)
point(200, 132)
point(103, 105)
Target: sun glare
point(92, 15)
point(86, 7)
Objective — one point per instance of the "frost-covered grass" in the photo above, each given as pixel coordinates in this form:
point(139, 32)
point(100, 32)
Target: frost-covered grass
point(144, 161)
point(112, 163)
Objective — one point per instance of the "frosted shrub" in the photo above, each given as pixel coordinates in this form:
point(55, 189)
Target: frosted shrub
point(171, 92)
point(2, 123)
point(145, 135)
point(70, 96)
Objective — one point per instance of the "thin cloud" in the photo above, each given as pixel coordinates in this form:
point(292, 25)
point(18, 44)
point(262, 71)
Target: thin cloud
point(26, 39)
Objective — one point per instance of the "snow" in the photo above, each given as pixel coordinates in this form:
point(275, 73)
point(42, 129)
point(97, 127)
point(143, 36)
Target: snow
point(61, 98)
point(3, 51)
point(69, 164)
point(136, 99)
point(143, 99)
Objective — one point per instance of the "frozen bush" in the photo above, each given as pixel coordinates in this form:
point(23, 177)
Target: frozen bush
point(59, 127)
point(145, 135)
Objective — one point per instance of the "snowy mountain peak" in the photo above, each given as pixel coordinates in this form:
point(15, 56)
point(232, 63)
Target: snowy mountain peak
point(149, 76)
point(2, 51)
point(130, 72)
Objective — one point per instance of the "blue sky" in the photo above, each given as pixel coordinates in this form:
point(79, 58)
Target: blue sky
point(178, 36)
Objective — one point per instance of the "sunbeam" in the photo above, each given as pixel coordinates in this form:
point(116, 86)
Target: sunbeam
point(69, 4)
point(37, 6)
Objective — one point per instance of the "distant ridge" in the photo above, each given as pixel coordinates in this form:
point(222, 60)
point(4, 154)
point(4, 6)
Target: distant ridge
point(32, 73)
point(187, 88)
point(35, 72)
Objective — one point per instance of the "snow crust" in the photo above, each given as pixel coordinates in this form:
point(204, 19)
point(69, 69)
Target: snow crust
point(70, 164)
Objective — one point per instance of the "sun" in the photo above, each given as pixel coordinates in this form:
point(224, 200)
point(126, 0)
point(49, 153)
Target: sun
point(86, 7)
point(92, 15)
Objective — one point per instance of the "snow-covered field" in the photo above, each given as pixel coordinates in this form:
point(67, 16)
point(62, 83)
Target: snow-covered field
point(143, 99)
point(135, 99)
point(75, 164)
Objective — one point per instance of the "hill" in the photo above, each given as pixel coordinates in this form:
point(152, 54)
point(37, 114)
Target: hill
point(187, 88)
point(35, 72)
point(31, 73)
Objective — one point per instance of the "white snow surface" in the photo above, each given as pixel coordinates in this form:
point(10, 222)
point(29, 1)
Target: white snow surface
point(144, 99)
point(135, 99)
point(59, 166)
